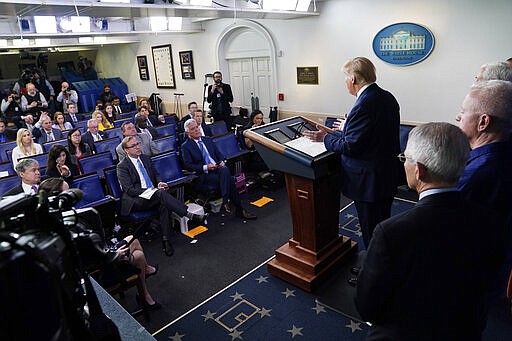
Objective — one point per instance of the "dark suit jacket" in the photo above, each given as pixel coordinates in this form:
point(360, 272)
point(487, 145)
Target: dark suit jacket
point(224, 100)
point(15, 190)
point(427, 269)
point(42, 136)
point(130, 181)
point(193, 158)
point(368, 146)
point(88, 139)
point(152, 131)
point(79, 117)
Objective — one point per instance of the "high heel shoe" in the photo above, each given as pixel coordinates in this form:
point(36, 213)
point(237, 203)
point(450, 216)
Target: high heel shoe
point(154, 306)
point(157, 266)
point(167, 248)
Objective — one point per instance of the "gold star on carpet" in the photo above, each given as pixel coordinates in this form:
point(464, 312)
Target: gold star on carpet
point(295, 331)
point(348, 215)
point(176, 337)
point(235, 335)
point(208, 316)
point(319, 309)
point(264, 312)
point(288, 293)
point(354, 326)
point(262, 279)
point(237, 296)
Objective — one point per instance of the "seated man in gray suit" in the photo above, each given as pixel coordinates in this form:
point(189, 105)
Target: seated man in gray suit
point(147, 146)
point(28, 171)
point(136, 174)
point(427, 269)
point(46, 133)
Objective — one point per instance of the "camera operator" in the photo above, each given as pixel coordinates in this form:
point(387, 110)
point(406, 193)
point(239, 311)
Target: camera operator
point(11, 107)
point(220, 97)
point(33, 101)
point(66, 96)
point(45, 88)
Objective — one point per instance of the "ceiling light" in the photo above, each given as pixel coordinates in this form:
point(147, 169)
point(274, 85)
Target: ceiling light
point(175, 23)
point(303, 5)
point(100, 39)
point(45, 24)
point(158, 23)
point(85, 40)
point(80, 24)
point(20, 42)
point(43, 42)
point(282, 5)
point(3, 42)
point(118, 1)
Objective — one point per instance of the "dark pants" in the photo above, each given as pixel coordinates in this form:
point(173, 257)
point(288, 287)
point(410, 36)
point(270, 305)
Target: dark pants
point(370, 214)
point(221, 179)
point(166, 204)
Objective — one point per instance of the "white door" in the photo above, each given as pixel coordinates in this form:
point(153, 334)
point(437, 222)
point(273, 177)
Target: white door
point(251, 77)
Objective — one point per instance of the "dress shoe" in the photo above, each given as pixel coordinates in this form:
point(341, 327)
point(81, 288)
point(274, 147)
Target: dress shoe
point(352, 281)
point(155, 272)
point(226, 208)
point(245, 215)
point(199, 218)
point(355, 270)
point(154, 306)
point(167, 248)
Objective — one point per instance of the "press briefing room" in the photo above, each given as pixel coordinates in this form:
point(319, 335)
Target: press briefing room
point(255, 170)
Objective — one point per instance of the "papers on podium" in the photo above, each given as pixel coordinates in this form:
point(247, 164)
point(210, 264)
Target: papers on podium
point(305, 145)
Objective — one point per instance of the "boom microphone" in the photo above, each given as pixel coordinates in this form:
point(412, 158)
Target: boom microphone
point(69, 197)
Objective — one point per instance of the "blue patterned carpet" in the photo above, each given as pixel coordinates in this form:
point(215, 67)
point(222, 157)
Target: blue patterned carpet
point(262, 307)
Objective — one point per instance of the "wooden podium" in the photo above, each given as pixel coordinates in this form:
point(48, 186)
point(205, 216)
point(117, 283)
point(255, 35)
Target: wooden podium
point(313, 185)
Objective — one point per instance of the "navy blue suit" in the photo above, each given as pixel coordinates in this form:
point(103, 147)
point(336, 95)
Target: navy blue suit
point(368, 146)
point(219, 178)
point(42, 136)
point(427, 269)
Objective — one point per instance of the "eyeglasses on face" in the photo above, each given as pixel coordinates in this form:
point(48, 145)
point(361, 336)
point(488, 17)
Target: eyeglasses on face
point(135, 145)
point(404, 158)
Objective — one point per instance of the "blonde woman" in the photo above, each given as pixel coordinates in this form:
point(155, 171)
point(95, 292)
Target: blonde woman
point(25, 146)
point(103, 123)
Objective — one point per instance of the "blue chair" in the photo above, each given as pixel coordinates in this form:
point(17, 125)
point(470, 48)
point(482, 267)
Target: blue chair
point(96, 163)
point(7, 167)
point(113, 133)
point(218, 128)
point(171, 119)
point(65, 133)
point(228, 146)
point(167, 129)
point(169, 168)
point(115, 191)
point(118, 123)
point(166, 143)
point(82, 125)
point(404, 135)
point(92, 189)
point(108, 145)
point(40, 158)
point(130, 114)
point(48, 145)
point(8, 182)
point(4, 147)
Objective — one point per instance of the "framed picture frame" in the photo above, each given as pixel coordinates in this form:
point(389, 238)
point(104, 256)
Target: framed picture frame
point(187, 65)
point(307, 75)
point(142, 63)
point(164, 69)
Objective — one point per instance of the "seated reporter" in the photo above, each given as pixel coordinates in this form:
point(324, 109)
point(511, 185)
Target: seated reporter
point(136, 174)
point(133, 253)
point(427, 269)
point(28, 171)
point(202, 156)
point(77, 148)
point(59, 164)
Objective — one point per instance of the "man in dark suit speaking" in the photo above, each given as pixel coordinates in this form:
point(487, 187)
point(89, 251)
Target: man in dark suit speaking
point(136, 175)
point(368, 146)
point(427, 269)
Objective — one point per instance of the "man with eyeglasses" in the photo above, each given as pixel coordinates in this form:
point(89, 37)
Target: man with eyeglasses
point(426, 270)
point(368, 146)
point(137, 174)
point(486, 119)
point(147, 145)
point(93, 134)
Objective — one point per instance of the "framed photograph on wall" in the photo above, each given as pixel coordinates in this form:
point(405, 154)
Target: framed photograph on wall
point(307, 75)
point(142, 63)
point(187, 65)
point(164, 69)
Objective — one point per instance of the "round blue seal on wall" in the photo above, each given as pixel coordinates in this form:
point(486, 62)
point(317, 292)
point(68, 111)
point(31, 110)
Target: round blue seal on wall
point(403, 44)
